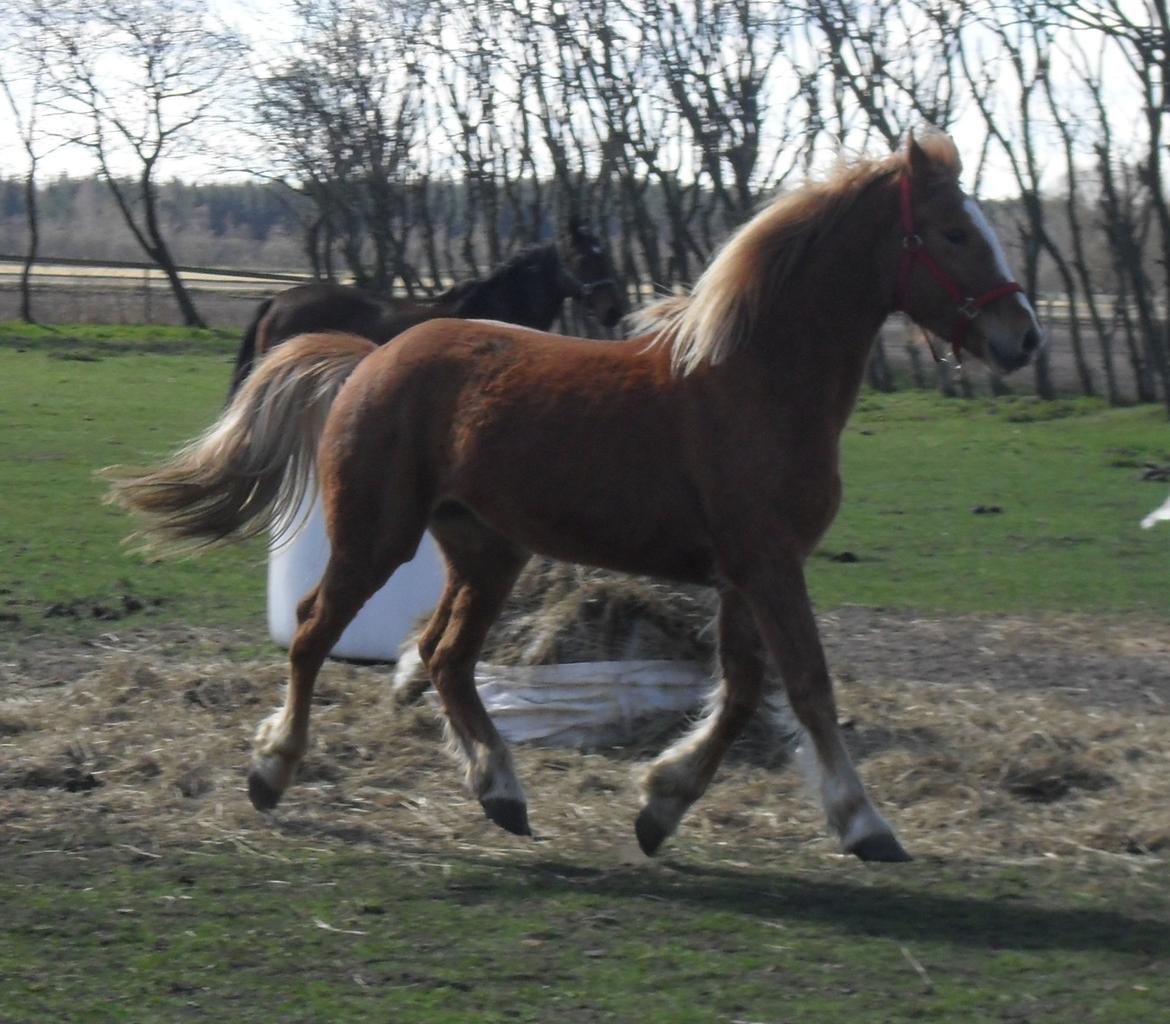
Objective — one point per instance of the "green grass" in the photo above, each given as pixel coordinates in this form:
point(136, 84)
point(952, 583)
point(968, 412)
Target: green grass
point(354, 936)
point(1064, 474)
point(82, 399)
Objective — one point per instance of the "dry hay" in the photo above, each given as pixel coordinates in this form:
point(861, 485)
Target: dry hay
point(560, 613)
point(137, 747)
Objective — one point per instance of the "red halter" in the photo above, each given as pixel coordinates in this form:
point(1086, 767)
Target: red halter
point(913, 248)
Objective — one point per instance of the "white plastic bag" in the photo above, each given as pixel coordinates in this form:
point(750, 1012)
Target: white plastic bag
point(585, 705)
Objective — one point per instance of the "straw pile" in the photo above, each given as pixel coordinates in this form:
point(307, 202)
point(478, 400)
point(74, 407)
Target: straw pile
point(142, 742)
point(560, 613)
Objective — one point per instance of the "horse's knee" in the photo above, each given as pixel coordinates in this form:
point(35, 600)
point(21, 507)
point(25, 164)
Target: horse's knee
point(426, 646)
point(742, 693)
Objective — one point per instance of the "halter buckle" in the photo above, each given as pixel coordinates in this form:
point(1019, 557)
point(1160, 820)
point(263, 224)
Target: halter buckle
point(912, 243)
point(969, 308)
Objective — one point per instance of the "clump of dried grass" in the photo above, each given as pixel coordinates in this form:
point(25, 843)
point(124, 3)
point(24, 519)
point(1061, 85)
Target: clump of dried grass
point(560, 613)
point(1001, 773)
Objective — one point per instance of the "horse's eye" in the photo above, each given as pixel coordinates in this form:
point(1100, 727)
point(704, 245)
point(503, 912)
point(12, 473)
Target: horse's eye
point(956, 236)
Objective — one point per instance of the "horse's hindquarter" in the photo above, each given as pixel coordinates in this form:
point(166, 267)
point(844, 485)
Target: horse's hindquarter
point(325, 307)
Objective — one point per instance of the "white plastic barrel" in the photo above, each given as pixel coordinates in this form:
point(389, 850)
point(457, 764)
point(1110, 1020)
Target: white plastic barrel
point(375, 634)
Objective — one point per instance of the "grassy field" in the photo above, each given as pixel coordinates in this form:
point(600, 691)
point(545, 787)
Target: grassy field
point(76, 401)
point(112, 911)
point(1058, 482)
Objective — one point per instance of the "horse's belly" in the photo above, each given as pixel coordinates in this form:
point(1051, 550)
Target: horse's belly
point(610, 536)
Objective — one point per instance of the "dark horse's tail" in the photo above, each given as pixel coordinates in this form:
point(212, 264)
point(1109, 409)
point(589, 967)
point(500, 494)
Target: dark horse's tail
point(247, 354)
point(253, 466)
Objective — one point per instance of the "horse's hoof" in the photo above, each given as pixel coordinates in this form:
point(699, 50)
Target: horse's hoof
point(880, 847)
point(650, 831)
point(510, 815)
point(264, 796)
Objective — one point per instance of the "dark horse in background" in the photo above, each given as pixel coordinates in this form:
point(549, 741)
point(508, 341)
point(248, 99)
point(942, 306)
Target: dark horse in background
point(528, 290)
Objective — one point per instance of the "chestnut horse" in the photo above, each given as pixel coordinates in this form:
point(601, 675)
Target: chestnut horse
point(705, 451)
point(529, 289)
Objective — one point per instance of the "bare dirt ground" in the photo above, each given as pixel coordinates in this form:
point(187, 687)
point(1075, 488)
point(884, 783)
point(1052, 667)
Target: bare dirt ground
point(1005, 739)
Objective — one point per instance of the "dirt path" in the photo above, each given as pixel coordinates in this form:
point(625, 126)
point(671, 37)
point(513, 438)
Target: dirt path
point(1092, 661)
point(1100, 661)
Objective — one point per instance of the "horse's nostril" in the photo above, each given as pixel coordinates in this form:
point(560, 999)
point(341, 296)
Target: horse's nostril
point(1032, 340)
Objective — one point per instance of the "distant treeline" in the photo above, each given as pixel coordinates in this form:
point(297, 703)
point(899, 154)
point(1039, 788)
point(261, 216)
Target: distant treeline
point(262, 225)
point(251, 225)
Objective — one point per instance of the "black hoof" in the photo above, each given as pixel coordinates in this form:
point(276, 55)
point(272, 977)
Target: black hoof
point(650, 832)
point(881, 847)
point(510, 815)
point(262, 795)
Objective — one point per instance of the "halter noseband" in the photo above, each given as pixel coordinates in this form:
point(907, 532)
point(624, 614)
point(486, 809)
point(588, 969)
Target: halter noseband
point(585, 288)
point(913, 248)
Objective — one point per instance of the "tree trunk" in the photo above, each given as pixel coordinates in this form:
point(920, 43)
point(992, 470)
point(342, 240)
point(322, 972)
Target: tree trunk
point(30, 255)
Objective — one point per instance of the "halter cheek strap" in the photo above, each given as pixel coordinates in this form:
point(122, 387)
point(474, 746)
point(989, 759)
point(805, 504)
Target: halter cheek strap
point(914, 251)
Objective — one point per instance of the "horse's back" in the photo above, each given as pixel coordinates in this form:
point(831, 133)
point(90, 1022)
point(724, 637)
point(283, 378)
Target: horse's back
point(323, 306)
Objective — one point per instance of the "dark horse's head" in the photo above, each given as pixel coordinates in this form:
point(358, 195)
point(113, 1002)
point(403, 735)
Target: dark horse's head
point(589, 275)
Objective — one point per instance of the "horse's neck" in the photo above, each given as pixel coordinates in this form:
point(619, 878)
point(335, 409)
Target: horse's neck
point(525, 294)
point(813, 339)
point(536, 292)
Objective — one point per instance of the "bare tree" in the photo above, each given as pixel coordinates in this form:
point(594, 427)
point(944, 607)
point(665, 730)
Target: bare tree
point(1022, 50)
point(1071, 121)
point(141, 75)
point(23, 77)
point(1140, 32)
point(339, 119)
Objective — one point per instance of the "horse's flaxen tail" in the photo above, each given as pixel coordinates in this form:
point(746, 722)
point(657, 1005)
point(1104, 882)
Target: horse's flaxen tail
point(255, 463)
point(247, 354)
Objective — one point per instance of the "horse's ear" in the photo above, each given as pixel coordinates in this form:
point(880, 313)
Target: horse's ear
point(917, 161)
point(936, 156)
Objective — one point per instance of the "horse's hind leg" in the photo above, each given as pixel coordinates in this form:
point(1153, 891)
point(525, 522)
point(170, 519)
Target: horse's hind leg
point(682, 773)
point(358, 567)
point(482, 567)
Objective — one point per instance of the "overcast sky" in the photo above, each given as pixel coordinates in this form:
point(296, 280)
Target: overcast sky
point(269, 26)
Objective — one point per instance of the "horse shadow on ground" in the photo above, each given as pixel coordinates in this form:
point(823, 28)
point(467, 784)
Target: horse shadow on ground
point(893, 911)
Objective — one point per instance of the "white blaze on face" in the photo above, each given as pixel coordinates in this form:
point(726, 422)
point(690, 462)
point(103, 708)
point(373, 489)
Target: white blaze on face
point(989, 236)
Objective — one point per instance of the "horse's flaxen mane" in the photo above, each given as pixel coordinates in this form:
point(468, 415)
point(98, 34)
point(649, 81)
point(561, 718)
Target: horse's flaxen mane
point(761, 258)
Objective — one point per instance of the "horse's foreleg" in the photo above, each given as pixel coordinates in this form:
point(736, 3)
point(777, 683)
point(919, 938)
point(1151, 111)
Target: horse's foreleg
point(785, 619)
point(410, 686)
point(682, 773)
